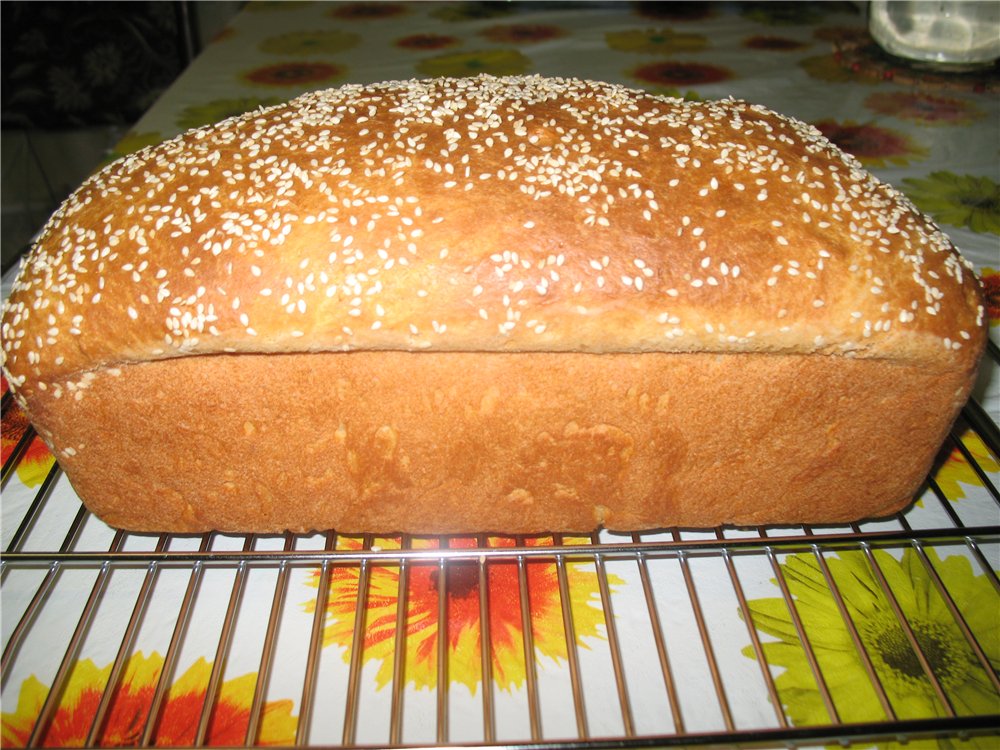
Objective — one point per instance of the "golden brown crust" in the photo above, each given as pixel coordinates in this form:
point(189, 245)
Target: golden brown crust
point(514, 214)
point(516, 304)
point(517, 443)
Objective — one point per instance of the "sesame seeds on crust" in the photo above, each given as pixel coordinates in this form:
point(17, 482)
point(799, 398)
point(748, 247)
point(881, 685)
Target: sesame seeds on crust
point(490, 214)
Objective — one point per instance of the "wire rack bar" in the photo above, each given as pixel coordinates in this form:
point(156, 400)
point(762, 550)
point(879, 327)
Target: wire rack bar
point(855, 637)
point(661, 649)
point(981, 422)
point(804, 639)
point(485, 648)
point(772, 690)
point(55, 693)
point(32, 512)
point(528, 641)
point(442, 650)
point(399, 651)
point(908, 632)
point(357, 645)
point(569, 632)
point(267, 653)
point(984, 565)
point(24, 624)
point(944, 504)
point(841, 734)
point(974, 465)
point(127, 642)
point(706, 644)
point(176, 639)
point(315, 645)
point(222, 648)
point(649, 549)
point(14, 642)
point(956, 614)
point(616, 653)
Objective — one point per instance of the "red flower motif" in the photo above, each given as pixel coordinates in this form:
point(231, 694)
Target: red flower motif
point(426, 41)
point(923, 107)
point(35, 462)
point(12, 428)
point(131, 701)
point(670, 73)
point(293, 73)
point(227, 33)
point(463, 608)
point(991, 288)
point(872, 145)
point(843, 34)
point(675, 11)
point(363, 11)
point(774, 43)
point(521, 33)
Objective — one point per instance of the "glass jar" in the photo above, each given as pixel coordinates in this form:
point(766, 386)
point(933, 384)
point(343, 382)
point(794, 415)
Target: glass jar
point(946, 35)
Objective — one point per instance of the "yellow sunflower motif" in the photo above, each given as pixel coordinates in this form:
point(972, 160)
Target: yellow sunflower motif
point(908, 690)
point(655, 41)
point(125, 721)
point(132, 141)
point(499, 62)
point(828, 68)
point(970, 201)
point(464, 627)
point(37, 460)
point(954, 470)
point(216, 110)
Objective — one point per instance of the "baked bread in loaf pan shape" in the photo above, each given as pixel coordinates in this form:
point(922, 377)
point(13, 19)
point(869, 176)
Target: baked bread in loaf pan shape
point(505, 305)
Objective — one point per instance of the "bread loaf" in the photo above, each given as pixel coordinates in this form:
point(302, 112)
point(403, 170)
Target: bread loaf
point(492, 305)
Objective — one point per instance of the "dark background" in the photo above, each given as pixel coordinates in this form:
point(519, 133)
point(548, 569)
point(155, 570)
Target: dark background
point(75, 76)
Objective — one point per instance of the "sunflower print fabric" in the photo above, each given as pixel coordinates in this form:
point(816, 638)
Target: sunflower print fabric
point(699, 641)
point(129, 712)
point(866, 612)
point(958, 200)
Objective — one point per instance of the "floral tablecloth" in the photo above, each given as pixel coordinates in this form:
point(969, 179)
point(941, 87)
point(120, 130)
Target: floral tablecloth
point(935, 137)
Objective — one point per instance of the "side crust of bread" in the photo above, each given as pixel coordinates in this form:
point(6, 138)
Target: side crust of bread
point(536, 442)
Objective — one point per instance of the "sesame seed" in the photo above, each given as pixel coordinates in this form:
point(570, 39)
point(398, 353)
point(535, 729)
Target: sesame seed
point(376, 245)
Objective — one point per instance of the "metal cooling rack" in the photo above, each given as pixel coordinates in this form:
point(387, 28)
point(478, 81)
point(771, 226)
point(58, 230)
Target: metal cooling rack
point(644, 683)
